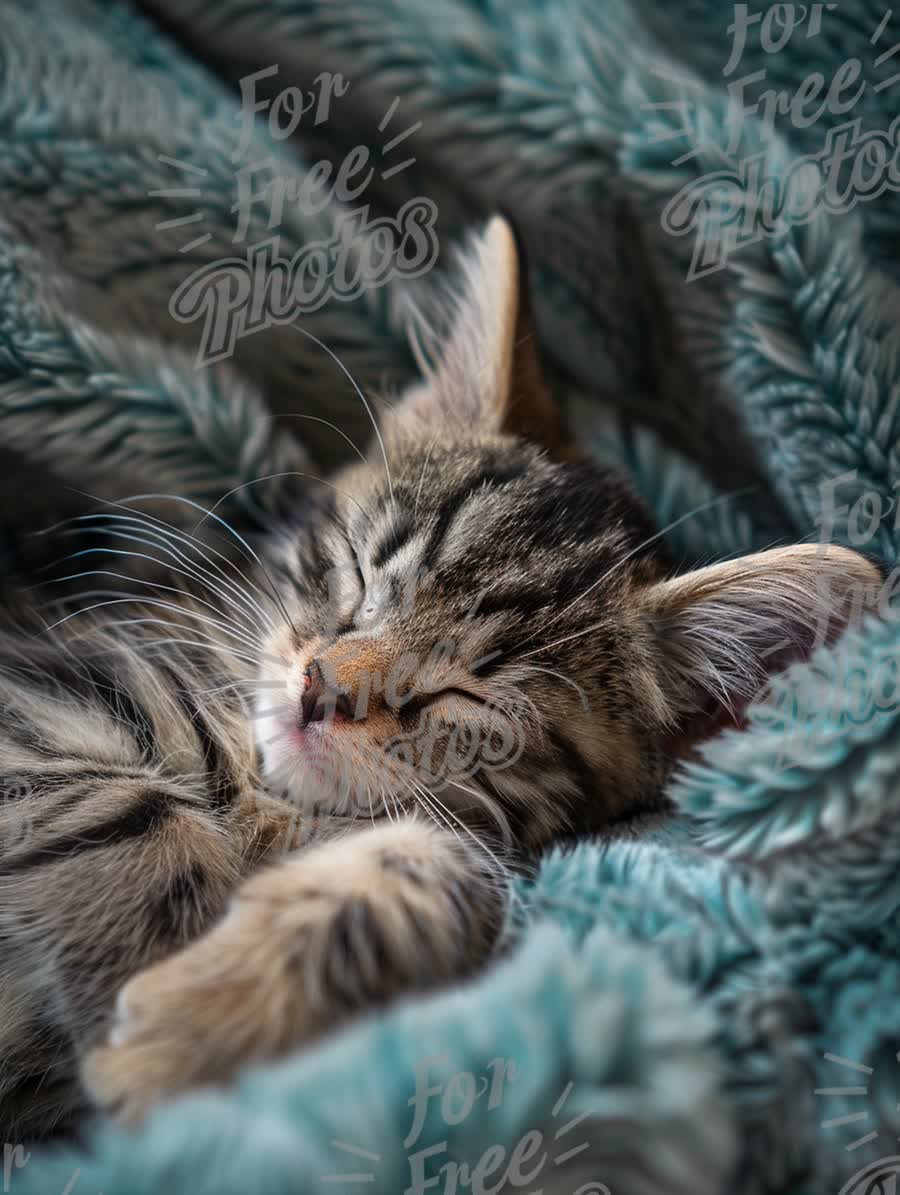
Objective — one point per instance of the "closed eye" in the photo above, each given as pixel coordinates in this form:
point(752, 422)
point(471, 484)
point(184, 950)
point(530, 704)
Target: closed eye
point(453, 692)
point(413, 706)
point(463, 692)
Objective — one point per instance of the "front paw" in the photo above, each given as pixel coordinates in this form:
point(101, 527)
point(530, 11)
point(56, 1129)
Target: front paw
point(194, 1019)
point(327, 933)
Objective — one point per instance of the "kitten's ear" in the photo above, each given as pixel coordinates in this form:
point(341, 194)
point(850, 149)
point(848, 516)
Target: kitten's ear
point(486, 375)
point(724, 629)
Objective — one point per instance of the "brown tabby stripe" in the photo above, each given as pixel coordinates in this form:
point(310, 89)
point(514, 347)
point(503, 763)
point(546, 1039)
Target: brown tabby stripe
point(223, 789)
point(124, 706)
point(491, 476)
point(397, 538)
point(144, 817)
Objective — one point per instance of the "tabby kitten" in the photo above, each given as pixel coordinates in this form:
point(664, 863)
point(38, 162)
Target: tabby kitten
point(236, 810)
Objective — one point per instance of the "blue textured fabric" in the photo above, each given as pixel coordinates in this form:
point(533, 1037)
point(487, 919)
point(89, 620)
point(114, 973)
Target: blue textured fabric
point(688, 992)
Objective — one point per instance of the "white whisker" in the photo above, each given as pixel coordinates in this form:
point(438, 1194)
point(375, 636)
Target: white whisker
point(628, 555)
point(567, 679)
point(362, 397)
point(334, 427)
point(198, 571)
point(190, 572)
point(227, 526)
point(151, 523)
point(148, 601)
point(98, 572)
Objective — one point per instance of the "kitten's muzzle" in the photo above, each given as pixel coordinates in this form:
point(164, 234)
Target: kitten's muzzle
point(320, 700)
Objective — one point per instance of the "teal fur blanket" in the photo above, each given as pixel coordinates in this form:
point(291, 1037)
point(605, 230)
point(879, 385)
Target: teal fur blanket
point(712, 1004)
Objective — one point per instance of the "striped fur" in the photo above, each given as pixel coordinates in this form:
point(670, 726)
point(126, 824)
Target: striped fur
point(469, 583)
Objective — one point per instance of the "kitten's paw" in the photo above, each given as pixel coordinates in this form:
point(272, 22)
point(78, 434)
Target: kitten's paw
point(188, 1021)
point(323, 935)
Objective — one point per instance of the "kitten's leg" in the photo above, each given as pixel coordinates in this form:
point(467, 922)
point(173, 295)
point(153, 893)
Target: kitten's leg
point(113, 874)
point(320, 936)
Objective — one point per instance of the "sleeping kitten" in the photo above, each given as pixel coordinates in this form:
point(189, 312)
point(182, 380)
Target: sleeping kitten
point(243, 795)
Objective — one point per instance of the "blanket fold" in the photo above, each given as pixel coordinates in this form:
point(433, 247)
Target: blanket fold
point(714, 1001)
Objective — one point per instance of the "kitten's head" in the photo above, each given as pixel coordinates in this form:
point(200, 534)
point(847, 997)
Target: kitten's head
point(483, 626)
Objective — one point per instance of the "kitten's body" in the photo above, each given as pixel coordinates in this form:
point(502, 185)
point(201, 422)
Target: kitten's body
point(129, 816)
point(154, 756)
point(136, 796)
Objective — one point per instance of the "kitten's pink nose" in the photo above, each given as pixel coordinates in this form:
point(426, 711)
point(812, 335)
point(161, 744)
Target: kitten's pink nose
point(320, 700)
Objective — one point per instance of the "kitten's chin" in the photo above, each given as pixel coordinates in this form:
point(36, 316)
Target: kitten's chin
point(291, 757)
point(301, 765)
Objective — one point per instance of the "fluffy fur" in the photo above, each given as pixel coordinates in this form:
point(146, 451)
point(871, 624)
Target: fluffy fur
point(470, 581)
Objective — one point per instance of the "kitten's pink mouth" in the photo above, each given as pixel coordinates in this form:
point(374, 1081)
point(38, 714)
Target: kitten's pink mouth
point(306, 742)
point(310, 745)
